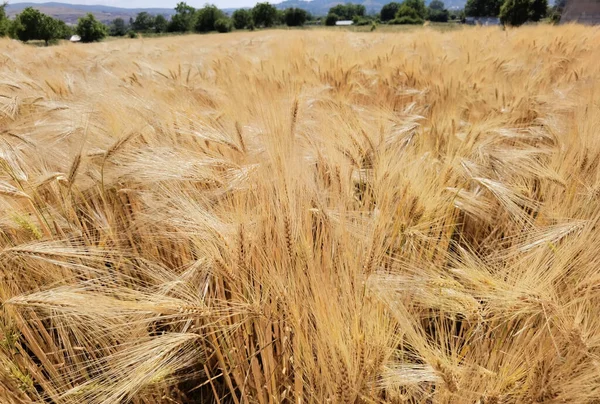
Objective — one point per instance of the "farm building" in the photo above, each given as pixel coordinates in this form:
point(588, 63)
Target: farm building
point(344, 22)
point(581, 11)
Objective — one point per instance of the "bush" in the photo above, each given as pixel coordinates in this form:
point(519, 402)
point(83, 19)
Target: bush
point(132, 34)
point(361, 21)
point(223, 25)
point(407, 21)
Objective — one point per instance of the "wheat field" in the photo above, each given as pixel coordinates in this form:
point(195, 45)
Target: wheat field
point(302, 217)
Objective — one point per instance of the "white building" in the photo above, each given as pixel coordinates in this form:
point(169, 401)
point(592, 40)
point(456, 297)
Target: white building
point(344, 22)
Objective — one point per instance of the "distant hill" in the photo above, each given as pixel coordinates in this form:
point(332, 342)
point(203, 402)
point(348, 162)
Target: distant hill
point(69, 13)
point(321, 7)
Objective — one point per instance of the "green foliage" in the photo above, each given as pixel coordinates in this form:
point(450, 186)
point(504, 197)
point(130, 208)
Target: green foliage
point(31, 24)
point(457, 15)
point(438, 15)
point(437, 12)
point(417, 5)
point(223, 25)
point(118, 27)
point(407, 15)
point(538, 9)
point(518, 12)
point(184, 18)
point(388, 11)
point(144, 22)
point(160, 24)
point(514, 12)
point(437, 5)
point(206, 18)
point(295, 17)
point(241, 18)
point(64, 31)
point(362, 21)
point(348, 11)
point(132, 34)
point(483, 8)
point(4, 21)
point(331, 19)
point(90, 29)
point(264, 15)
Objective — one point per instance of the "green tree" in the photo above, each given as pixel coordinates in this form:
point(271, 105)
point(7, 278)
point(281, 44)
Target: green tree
point(4, 21)
point(331, 19)
point(183, 20)
point(418, 6)
point(483, 8)
point(241, 18)
point(206, 18)
point(223, 25)
point(90, 29)
point(407, 15)
point(437, 5)
point(160, 24)
point(388, 11)
point(437, 11)
point(295, 17)
point(514, 12)
point(348, 11)
point(31, 24)
point(118, 27)
point(264, 15)
point(144, 22)
point(538, 9)
point(64, 31)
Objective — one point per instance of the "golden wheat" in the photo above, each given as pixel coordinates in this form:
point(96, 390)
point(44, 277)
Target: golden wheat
point(302, 217)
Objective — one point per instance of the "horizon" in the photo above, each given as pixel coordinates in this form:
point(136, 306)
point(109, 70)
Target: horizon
point(133, 4)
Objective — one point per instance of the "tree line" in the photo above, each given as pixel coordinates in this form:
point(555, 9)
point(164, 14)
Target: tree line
point(511, 12)
point(31, 24)
point(210, 18)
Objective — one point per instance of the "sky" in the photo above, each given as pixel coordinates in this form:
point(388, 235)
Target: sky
point(150, 3)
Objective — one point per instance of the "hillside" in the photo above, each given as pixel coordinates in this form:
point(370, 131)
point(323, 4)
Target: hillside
point(71, 12)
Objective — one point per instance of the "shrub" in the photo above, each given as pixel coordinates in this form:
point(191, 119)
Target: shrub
point(407, 21)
